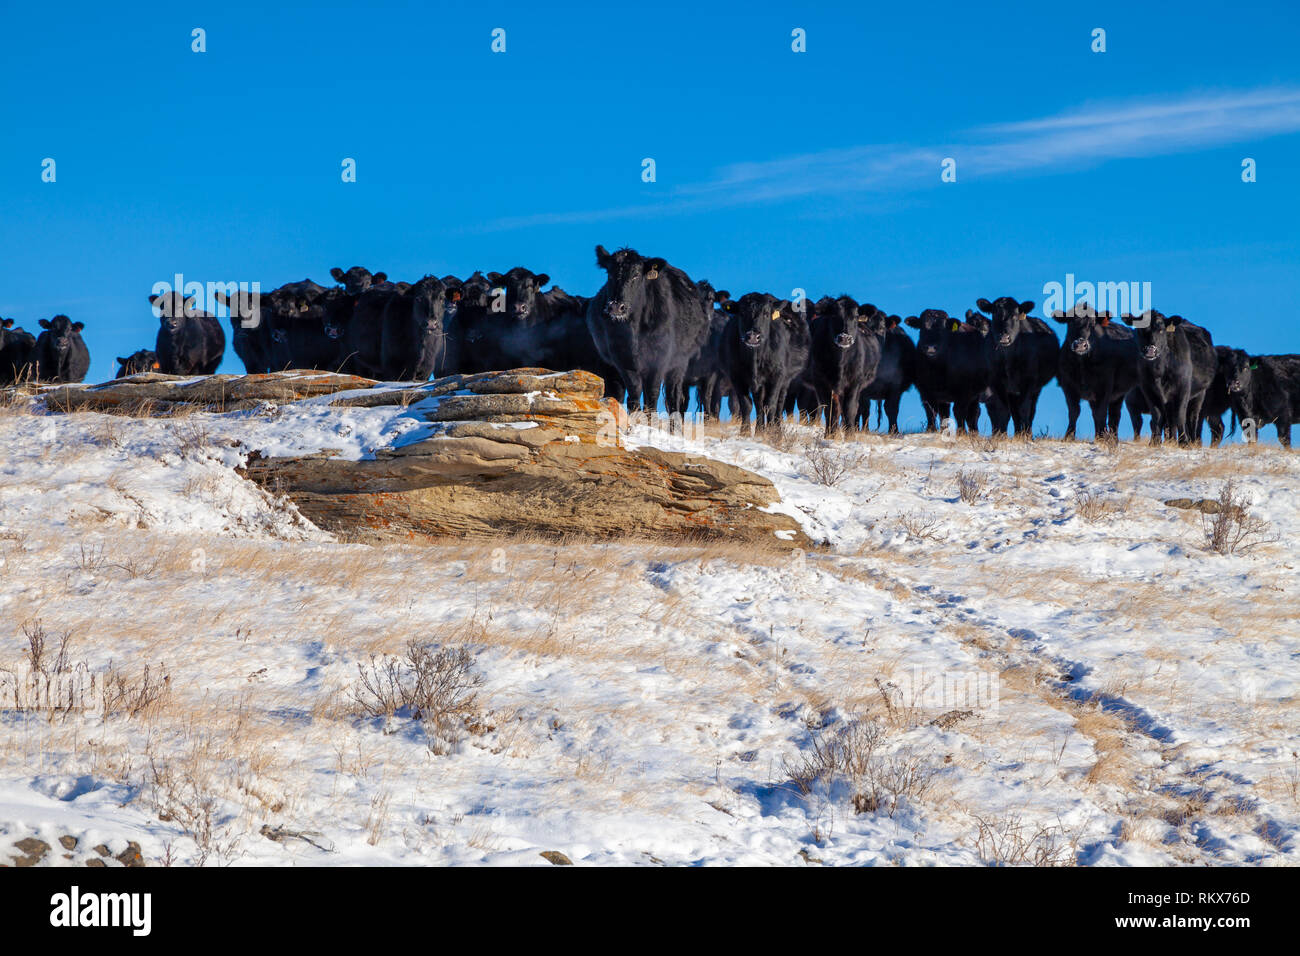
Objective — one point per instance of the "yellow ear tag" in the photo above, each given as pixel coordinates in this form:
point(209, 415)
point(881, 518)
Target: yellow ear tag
point(652, 274)
point(956, 326)
point(776, 314)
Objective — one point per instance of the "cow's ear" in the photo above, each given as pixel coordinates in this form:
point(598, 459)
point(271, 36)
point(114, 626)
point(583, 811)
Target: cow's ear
point(1026, 308)
point(542, 279)
point(1126, 318)
point(722, 295)
point(379, 277)
point(7, 323)
point(338, 274)
point(603, 259)
point(985, 305)
point(971, 315)
point(913, 321)
point(867, 310)
point(495, 278)
point(78, 326)
point(1059, 316)
point(121, 361)
point(1175, 320)
point(893, 322)
point(45, 323)
point(154, 298)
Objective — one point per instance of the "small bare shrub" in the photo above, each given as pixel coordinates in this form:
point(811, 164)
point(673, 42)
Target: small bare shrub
point(134, 696)
point(829, 464)
point(39, 650)
point(1232, 529)
point(971, 485)
point(192, 437)
point(1009, 842)
point(852, 753)
point(1090, 506)
point(91, 559)
point(438, 688)
point(921, 525)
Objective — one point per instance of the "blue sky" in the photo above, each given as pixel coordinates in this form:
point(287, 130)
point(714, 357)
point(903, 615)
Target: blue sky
point(775, 169)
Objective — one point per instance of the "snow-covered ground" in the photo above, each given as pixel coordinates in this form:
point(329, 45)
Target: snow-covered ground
point(1049, 667)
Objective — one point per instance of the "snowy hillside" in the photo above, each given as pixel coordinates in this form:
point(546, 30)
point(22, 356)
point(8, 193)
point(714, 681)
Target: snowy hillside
point(999, 652)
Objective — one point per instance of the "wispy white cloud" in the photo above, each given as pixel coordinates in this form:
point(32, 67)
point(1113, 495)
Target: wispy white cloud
point(1061, 142)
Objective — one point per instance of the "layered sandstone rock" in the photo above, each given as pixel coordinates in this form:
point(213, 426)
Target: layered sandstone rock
point(521, 451)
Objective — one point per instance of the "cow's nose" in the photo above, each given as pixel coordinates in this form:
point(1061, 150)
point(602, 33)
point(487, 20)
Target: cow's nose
point(844, 340)
point(1081, 346)
point(753, 339)
point(1004, 340)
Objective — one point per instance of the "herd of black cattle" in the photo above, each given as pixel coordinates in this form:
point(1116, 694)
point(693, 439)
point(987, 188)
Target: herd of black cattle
point(651, 330)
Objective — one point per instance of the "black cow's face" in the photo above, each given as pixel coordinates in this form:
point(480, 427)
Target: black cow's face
point(138, 362)
point(172, 308)
point(451, 296)
point(934, 327)
point(1153, 339)
point(335, 311)
point(475, 301)
point(429, 297)
point(522, 288)
point(629, 273)
point(842, 316)
point(755, 312)
point(1008, 319)
point(357, 279)
point(63, 332)
point(1240, 365)
point(1083, 327)
point(875, 321)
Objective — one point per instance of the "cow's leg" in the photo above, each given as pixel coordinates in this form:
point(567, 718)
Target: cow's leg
point(1216, 429)
point(891, 411)
point(1071, 410)
point(851, 410)
point(1283, 433)
point(1116, 409)
point(1098, 418)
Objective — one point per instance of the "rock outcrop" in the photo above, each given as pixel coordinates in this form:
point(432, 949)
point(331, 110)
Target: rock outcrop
point(527, 451)
point(521, 451)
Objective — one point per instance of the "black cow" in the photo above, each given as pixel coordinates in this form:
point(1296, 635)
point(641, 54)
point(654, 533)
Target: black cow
point(1176, 364)
point(1097, 363)
point(190, 341)
point(1217, 399)
point(705, 373)
point(353, 316)
point(843, 360)
point(16, 347)
point(544, 329)
point(896, 372)
point(472, 348)
point(648, 321)
point(1023, 361)
point(306, 326)
point(60, 355)
point(357, 279)
point(1266, 390)
point(250, 327)
point(764, 347)
point(801, 395)
point(414, 339)
point(137, 363)
point(953, 368)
